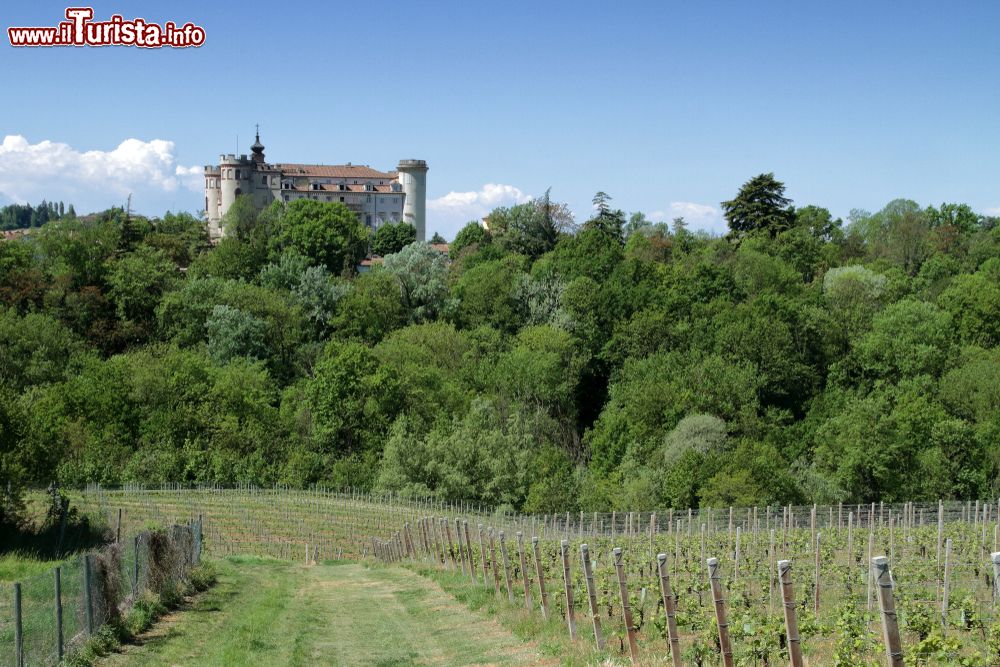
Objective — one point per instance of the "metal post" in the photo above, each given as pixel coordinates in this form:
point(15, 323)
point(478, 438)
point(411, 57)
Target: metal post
point(88, 601)
point(60, 650)
point(18, 628)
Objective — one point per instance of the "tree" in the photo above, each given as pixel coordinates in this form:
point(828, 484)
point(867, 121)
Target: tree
point(234, 333)
point(422, 272)
point(390, 238)
point(329, 234)
point(437, 239)
point(607, 221)
point(760, 205)
point(473, 234)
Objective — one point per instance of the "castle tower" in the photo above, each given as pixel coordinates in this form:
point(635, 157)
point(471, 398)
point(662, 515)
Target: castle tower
point(235, 172)
point(413, 178)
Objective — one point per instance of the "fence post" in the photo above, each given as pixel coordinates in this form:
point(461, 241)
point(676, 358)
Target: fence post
point(506, 566)
point(633, 648)
point(947, 582)
point(588, 577)
point(995, 558)
point(568, 585)
point(890, 624)
point(461, 550)
point(816, 582)
point(87, 597)
point(524, 570)
point(18, 628)
point(59, 615)
point(541, 578)
point(493, 563)
point(720, 611)
point(482, 556)
point(791, 622)
point(668, 609)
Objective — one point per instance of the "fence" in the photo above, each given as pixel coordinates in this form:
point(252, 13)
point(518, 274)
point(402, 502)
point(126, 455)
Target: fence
point(47, 616)
point(869, 582)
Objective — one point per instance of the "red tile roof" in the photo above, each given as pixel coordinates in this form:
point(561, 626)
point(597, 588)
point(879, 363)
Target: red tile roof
point(333, 171)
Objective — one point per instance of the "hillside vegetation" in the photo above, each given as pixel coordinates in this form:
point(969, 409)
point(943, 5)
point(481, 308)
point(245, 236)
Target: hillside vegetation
point(541, 365)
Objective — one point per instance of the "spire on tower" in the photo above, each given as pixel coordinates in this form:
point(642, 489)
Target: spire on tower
point(257, 148)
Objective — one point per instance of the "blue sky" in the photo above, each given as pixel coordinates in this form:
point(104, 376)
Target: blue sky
point(667, 106)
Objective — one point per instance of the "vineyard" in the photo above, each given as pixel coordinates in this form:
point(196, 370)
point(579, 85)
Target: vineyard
point(938, 575)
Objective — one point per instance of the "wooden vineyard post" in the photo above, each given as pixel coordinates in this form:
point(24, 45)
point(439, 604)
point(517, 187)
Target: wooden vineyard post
point(568, 586)
point(995, 559)
point(506, 566)
point(770, 577)
point(588, 577)
point(493, 564)
point(720, 611)
point(524, 571)
point(461, 549)
point(541, 577)
point(946, 590)
point(850, 538)
point(890, 624)
point(871, 547)
point(468, 547)
point(816, 581)
point(736, 558)
point(633, 648)
point(451, 545)
point(482, 556)
point(791, 622)
point(668, 609)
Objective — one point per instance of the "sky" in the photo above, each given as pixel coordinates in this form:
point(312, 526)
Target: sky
point(667, 106)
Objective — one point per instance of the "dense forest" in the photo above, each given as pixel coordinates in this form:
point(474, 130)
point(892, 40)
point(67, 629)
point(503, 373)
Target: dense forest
point(542, 364)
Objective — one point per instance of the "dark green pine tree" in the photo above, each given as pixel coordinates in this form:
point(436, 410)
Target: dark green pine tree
point(759, 205)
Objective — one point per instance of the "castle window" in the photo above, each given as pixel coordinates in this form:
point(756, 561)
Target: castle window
point(341, 199)
point(238, 192)
point(237, 173)
point(286, 197)
point(368, 220)
point(263, 180)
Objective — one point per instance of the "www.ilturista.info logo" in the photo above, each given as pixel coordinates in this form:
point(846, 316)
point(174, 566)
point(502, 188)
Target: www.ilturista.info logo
point(80, 30)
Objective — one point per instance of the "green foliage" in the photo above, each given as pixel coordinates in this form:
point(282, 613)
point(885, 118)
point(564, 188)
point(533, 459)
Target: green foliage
point(392, 237)
point(808, 362)
point(760, 205)
point(328, 234)
point(472, 235)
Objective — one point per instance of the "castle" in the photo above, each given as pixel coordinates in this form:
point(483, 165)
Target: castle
point(377, 197)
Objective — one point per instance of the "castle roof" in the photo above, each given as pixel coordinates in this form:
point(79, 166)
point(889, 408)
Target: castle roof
point(333, 171)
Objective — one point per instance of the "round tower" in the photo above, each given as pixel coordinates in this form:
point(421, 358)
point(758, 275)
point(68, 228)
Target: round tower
point(234, 180)
point(413, 178)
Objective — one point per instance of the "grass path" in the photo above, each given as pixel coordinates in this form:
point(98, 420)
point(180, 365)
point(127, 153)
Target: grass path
point(274, 613)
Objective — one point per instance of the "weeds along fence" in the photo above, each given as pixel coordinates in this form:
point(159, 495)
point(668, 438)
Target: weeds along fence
point(838, 585)
point(47, 616)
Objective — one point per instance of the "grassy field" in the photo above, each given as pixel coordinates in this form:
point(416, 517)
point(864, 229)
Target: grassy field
point(265, 612)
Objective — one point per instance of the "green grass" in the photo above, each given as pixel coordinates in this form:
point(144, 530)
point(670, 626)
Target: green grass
point(264, 612)
point(17, 566)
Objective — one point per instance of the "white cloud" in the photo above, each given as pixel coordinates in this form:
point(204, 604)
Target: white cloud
point(447, 214)
point(699, 216)
point(992, 211)
point(92, 179)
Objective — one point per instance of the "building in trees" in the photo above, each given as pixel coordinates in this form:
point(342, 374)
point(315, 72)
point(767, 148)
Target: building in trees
point(377, 197)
